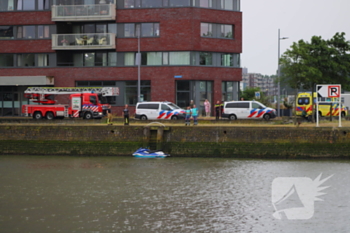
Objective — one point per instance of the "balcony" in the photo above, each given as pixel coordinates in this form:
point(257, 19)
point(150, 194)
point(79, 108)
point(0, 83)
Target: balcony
point(83, 12)
point(83, 41)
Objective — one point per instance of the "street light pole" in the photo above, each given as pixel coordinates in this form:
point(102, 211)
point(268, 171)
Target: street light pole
point(278, 74)
point(138, 64)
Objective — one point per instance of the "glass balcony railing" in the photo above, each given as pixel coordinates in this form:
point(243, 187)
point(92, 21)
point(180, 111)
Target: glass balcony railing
point(83, 41)
point(83, 12)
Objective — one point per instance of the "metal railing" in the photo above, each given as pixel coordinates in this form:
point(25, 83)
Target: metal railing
point(83, 12)
point(83, 41)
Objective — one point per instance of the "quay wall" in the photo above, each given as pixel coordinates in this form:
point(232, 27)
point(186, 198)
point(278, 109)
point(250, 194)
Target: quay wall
point(199, 141)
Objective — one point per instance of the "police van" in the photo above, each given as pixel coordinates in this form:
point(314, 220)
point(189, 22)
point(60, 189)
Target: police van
point(153, 110)
point(234, 110)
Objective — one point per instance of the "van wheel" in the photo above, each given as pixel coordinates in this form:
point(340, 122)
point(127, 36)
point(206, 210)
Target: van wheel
point(49, 116)
point(37, 116)
point(143, 118)
point(232, 117)
point(267, 117)
point(88, 116)
point(174, 118)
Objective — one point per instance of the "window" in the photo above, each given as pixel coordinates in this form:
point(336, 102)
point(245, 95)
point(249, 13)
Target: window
point(6, 32)
point(131, 91)
point(179, 3)
point(206, 3)
point(229, 91)
point(217, 30)
point(151, 58)
point(129, 59)
point(226, 59)
point(205, 59)
point(151, 3)
point(26, 32)
point(129, 30)
point(304, 101)
point(6, 60)
point(206, 29)
point(26, 59)
point(179, 58)
point(226, 4)
point(226, 31)
point(43, 31)
point(149, 29)
point(43, 59)
point(43, 5)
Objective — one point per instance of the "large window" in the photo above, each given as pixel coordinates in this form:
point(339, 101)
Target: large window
point(217, 30)
point(229, 91)
point(206, 3)
point(25, 32)
point(151, 58)
point(89, 59)
point(147, 29)
point(230, 59)
point(6, 60)
point(179, 58)
point(31, 59)
point(6, 32)
point(205, 59)
point(131, 91)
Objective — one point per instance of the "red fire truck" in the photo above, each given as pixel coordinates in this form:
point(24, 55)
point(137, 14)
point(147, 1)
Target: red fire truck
point(84, 102)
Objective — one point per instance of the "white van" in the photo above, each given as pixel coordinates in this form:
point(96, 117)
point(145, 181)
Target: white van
point(153, 110)
point(247, 110)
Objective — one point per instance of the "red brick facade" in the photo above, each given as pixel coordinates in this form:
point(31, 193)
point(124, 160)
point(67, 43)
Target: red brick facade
point(179, 31)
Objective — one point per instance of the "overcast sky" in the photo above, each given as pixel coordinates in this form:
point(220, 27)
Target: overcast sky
point(296, 19)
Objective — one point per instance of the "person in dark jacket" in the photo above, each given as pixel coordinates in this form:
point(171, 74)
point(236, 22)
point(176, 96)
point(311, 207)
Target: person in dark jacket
point(126, 115)
point(217, 109)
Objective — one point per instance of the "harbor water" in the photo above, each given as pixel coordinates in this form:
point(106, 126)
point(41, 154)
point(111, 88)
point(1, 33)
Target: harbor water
point(125, 194)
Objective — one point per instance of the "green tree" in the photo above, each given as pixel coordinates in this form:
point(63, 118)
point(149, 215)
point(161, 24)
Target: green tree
point(249, 94)
point(320, 61)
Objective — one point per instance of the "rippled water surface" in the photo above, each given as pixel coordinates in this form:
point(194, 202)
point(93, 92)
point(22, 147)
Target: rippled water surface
point(119, 194)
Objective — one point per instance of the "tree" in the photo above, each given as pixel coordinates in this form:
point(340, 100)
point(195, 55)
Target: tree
point(320, 61)
point(249, 94)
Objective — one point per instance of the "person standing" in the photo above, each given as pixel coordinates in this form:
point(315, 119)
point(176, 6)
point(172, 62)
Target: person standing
point(217, 109)
point(194, 115)
point(187, 116)
point(207, 108)
point(126, 115)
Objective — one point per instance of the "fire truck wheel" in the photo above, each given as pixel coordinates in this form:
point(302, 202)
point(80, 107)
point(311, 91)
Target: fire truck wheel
point(88, 116)
point(37, 115)
point(49, 116)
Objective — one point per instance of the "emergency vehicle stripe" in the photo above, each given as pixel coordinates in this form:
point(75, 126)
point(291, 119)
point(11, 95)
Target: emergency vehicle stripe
point(252, 113)
point(168, 115)
point(76, 113)
point(161, 114)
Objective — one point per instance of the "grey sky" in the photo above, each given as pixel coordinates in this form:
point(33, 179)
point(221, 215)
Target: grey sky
point(296, 19)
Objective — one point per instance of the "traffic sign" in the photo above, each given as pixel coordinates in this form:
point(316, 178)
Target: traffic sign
point(328, 91)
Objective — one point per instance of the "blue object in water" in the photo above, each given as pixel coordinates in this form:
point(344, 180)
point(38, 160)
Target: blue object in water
point(147, 153)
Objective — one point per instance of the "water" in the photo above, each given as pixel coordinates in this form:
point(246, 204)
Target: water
point(119, 194)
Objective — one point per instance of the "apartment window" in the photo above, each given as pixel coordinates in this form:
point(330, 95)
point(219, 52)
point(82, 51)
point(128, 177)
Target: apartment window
point(179, 3)
point(112, 59)
point(217, 30)
point(26, 32)
point(26, 5)
point(227, 91)
point(226, 59)
point(149, 29)
point(151, 3)
point(129, 30)
point(226, 31)
point(151, 58)
point(226, 4)
point(205, 59)
point(6, 60)
point(6, 32)
point(179, 58)
point(129, 59)
point(131, 92)
point(26, 59)
point(206, 3)
point(43, 4)
point(206, 29)
point(43, 59)
point(43, 31)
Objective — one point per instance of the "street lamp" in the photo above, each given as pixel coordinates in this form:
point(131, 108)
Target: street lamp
point(278, 73)
point(138, 59)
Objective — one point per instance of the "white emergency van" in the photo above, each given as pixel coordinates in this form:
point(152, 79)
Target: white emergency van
point(153, 110)
point(234, 110)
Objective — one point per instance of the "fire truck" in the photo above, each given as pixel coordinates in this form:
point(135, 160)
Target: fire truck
point(85, 102)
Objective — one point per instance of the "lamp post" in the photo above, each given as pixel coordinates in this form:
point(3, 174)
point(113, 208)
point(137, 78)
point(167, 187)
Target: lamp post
point(278, 74)
point(138, 59)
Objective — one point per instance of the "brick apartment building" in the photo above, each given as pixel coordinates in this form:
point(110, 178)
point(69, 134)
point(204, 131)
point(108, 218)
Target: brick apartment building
point(190, 49)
